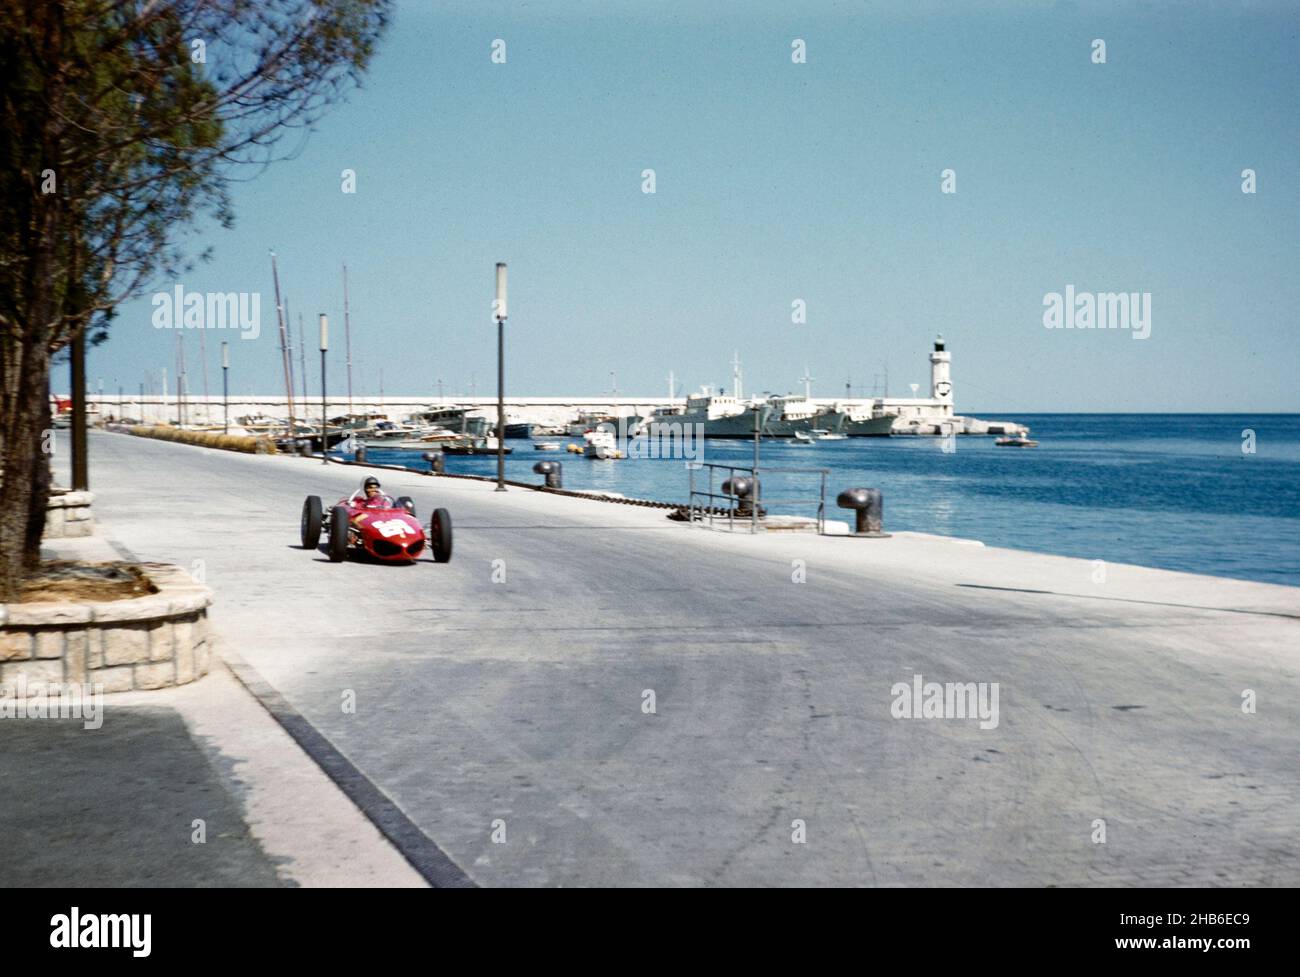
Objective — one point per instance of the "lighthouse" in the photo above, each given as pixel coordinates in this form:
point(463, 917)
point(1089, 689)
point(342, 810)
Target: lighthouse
point(940, 381)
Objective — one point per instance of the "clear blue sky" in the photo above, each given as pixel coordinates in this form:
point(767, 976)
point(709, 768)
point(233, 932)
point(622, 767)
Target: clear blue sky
point(779, 181)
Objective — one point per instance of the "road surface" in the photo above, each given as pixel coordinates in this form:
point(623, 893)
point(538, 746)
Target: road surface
point(501, 700)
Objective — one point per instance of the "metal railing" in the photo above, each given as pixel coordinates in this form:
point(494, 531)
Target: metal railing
point(703, 503)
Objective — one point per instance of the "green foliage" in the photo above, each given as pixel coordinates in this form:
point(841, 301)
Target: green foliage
point(122, 123)
point(143, 135)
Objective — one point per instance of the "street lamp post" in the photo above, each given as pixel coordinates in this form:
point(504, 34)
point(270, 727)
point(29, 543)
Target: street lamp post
point(225, 385)
point(324, 345)
point(499, 310)
point(80, 466)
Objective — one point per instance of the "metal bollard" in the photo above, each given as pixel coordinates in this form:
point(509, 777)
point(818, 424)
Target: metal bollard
point(436, 460)
point(360, 453)
point(304, 447)
point(870, 511)
point(554, 472)
point(739, 486)
point(743, 488)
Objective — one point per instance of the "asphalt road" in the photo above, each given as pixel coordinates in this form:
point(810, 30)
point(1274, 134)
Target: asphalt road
point(504, 694)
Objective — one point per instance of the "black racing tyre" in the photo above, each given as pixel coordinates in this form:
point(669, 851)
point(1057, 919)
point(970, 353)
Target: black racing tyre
point(311, 522)
point(440, 535)
point(407, 503)
point(338, 534)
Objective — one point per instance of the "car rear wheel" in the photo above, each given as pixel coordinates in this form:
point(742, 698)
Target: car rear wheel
point(440, 535)
point(311, 522)
point(338, 534)
point(407, 503)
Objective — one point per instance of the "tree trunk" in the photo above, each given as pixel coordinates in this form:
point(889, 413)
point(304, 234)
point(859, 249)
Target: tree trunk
point(42, 476)
point(26, 480)
point(25, 411)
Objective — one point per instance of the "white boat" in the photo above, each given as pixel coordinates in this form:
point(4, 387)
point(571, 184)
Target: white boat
point(821, 434)
point(434, 437)
point(719, 416)
point(601, 444)
point(1016, 441)
point(587, 421)
point(802, 437)
point(546, 446)
point(475, 446)
point(388, 434)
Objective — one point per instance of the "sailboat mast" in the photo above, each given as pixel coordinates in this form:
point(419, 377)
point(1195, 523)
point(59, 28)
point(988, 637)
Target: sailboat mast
point(183, 381)
point(302, 358)
point(347, 333)
point(284, 342)
point(288, 324)
point(203, 365)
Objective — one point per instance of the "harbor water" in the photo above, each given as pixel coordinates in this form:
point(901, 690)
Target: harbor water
point(1167, 490)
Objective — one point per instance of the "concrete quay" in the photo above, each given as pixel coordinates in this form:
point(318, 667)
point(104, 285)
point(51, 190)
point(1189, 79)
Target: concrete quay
point(591, 694)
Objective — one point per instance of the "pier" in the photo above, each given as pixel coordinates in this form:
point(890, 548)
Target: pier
point(932, 415)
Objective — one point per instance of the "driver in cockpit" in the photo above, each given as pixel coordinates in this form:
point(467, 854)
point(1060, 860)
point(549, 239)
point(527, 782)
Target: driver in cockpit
point(370, 496)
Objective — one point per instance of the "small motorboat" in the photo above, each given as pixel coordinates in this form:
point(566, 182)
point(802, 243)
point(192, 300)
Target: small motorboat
point(1016, 441)
point(601, 444)
point(546, 446)
point(802, 437)
point(475, 446)
point(830, 436)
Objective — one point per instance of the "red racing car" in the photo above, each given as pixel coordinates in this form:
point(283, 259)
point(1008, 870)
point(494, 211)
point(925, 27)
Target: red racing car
point(377, 525)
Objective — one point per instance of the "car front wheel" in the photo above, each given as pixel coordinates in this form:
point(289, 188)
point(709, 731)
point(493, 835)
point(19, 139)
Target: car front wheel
point(311, 522)
point(338, 534)
point(440, 535)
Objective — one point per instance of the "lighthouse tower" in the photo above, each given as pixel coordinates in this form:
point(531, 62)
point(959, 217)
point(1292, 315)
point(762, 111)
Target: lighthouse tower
point(940, 382)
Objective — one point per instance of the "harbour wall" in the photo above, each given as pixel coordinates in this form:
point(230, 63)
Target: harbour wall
point(916, 416)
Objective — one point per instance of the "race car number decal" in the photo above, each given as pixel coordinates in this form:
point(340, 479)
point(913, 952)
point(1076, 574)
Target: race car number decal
point(391, 527)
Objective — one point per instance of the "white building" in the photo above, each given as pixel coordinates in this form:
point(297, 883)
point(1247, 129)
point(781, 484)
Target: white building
point(933, 415)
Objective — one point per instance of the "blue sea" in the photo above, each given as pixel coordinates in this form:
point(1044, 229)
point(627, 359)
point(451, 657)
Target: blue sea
point(1164, 490)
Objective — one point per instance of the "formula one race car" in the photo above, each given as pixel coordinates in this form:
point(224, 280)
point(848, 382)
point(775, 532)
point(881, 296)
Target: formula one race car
point(377, 525)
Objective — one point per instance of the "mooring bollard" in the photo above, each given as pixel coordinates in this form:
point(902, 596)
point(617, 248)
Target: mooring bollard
point(739, 486)
point(436, 460)
point(304, 447)
point(870, 511)
point(743, 488)
point(554, 472)
point(360, 453)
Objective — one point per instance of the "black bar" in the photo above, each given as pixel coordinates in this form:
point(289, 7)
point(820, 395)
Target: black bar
point(80, 465)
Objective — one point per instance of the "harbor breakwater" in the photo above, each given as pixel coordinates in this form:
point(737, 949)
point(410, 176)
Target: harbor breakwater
point(915, 417)
point(156, 409)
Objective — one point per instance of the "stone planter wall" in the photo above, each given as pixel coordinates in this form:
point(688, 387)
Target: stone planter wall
point(69, 514)
point(146, 642)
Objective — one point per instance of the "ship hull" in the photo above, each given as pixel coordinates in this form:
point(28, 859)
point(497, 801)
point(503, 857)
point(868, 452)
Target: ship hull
point(866, 427)
point(872, 427)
